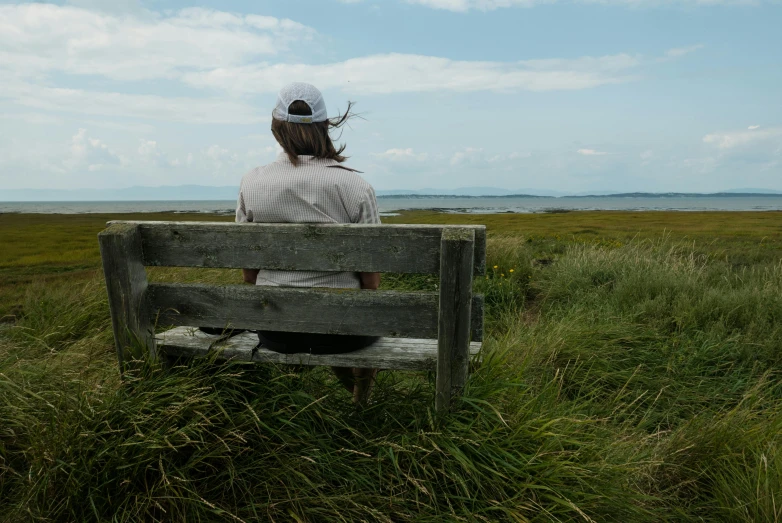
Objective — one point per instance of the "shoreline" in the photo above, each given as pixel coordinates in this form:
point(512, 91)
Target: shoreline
point(445, 205)
point(401, 212)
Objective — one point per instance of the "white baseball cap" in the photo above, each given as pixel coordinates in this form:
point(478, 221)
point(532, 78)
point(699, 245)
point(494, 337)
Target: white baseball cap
point(308, 94)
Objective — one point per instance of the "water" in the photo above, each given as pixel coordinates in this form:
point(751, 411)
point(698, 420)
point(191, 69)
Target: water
point(520, 204)
point(477, 205)
point(120, 207)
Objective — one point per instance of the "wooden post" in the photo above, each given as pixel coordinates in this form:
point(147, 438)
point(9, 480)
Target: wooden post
point(453, 338)
point(126, 283)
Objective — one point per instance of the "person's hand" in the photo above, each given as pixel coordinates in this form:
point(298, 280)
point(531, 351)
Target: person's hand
point(369, 280)
point(250, 275)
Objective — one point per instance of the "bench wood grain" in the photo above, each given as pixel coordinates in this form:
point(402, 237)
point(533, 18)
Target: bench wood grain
point(420, 330)
point(126, 285)
point(453, 333)
point(386, 353)
point(300, 247)
point(328, 311)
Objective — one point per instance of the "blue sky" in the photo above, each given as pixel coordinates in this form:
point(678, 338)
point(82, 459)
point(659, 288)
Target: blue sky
point(568, 95)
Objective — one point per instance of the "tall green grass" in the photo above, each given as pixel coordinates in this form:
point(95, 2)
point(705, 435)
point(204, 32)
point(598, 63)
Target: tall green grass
point(620, 382)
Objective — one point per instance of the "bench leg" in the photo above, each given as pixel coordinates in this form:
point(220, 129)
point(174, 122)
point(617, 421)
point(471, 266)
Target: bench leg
point(453, 332)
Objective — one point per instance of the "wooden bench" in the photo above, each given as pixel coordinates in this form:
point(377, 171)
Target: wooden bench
point(436, 331)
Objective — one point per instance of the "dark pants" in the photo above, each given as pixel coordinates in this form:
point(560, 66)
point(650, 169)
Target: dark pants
point(303, 342)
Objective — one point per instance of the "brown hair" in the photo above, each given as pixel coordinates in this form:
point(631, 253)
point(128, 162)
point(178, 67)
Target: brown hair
point(309, 138)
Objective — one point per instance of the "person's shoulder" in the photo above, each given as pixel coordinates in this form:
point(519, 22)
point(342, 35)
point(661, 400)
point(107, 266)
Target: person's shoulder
point(351, 176)
point(253, 174)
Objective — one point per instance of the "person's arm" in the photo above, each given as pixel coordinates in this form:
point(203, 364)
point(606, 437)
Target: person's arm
point(243, 216)
point(368, 213)
point(369, 280)
point(250, 275)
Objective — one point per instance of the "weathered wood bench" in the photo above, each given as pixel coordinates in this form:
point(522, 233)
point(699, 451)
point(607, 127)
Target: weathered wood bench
point(436, 331)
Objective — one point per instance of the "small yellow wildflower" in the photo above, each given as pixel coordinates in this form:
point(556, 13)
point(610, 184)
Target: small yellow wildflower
point(502, 275)
point(511, 270)
point(496, 266)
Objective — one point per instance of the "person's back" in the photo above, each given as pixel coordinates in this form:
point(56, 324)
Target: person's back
point(316, 190)
point(308, 184)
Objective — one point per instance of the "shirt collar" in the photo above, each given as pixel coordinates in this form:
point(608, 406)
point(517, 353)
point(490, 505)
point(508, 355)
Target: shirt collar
point(304, 158)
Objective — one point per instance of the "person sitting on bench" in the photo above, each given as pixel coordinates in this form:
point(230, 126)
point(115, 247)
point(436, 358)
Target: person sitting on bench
point(307, 183)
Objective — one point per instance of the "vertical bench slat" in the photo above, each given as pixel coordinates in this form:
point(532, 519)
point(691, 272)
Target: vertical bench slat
point(126, 283)
point(453, 357)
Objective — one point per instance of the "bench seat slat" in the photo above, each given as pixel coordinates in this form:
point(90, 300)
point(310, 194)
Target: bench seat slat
point(301, 247)
point(386, 353)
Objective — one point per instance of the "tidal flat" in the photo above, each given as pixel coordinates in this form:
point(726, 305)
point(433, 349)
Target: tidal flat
point(632, 371)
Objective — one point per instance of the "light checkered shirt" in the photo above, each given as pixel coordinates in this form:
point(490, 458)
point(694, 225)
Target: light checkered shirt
point(315, 191)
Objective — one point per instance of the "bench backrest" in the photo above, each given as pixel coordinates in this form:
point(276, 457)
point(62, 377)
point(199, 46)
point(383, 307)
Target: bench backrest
point(452, 315)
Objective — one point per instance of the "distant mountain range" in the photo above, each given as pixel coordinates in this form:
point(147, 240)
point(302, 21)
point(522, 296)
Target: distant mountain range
point(471, 191)
point(229, 192)
point(497, 192)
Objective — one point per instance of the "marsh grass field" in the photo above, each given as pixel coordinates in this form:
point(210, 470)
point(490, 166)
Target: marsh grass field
point(631, 372)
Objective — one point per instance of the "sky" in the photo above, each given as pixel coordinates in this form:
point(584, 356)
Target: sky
point(564, 95)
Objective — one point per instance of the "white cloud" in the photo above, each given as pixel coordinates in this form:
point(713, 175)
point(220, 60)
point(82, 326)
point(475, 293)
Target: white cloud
point(397, 73)
point(737, 139)
point(468, 154)
point(401, 154)
point(646, 155)
point(212, 49)
point(753, 127)
point(32, 118)
point(181, 109)
point(500, 158)
point(220, 156)
point(150, 154)
point(702, 165)
point(515, 156)
point(747, 151)
point(449, 5)
point(591, 152)
point(677, 52)
point(461, 6)
point(115, 6)
point(681, 51)
point(262, 154)
point(36, 38)
point(148, 148)
point(476, 156)
point(91, 153)
point(123, 126)
point(659, 3)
